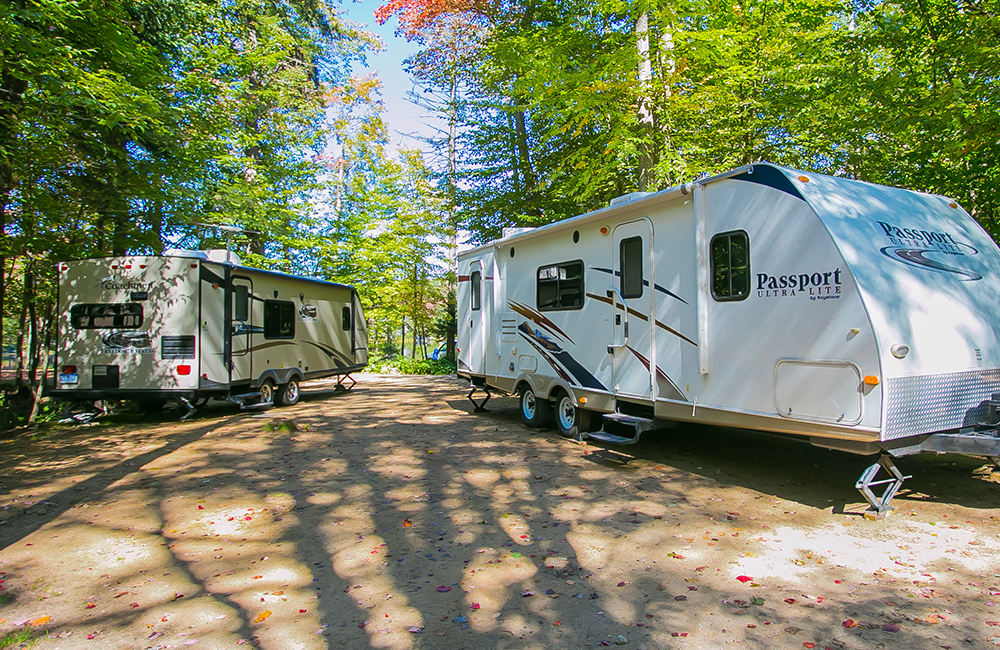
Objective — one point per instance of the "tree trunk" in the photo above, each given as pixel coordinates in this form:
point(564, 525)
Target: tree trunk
point(646, 145)
point(26, 300)
point(402, 340)
point(40, 385)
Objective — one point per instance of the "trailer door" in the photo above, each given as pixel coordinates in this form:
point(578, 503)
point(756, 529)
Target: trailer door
point(477, 320)
point(241, 331)
point(633, 312)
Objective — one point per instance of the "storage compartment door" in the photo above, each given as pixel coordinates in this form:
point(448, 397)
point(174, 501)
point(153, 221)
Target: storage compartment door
point(818, 390)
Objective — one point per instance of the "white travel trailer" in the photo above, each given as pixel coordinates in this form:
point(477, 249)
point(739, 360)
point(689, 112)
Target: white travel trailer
point(190, 325)
point(861, 317)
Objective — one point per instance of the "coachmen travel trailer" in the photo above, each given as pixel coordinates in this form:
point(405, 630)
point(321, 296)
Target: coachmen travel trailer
point(861, 317)
point(190, 326)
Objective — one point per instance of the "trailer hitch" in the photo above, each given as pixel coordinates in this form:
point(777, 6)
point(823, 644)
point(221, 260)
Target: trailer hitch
point(480, 407)
point(880, 507)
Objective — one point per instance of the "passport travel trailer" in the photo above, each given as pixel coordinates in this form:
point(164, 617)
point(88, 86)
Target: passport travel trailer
point(863, 318)
point(189, 326)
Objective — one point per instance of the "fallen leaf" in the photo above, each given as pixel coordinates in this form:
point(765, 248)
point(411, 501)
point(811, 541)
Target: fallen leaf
point(849, 623)
point(90, 605)
point(262, 616)
point(443, 589)
point(809, 644)
point(303, 611)
point(890, 627)
point(744, 579)
point(407, 523)
point(42, 620)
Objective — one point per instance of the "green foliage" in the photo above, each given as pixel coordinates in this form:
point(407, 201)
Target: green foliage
point(18, 639)
point(404, 366)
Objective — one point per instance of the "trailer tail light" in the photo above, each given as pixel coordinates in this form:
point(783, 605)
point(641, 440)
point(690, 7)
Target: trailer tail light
point(69, 370)
point(871, 380)
point(184, 370)
point(142, 266)
point(128, 266)
point(64, 267)
point(194, 266)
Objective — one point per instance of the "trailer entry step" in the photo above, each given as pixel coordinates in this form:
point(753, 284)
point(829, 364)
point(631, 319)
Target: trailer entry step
point(612, 438)
point(619, 422)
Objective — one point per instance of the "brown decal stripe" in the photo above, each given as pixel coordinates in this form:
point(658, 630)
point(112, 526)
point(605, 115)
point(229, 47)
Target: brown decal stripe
point(659, 374)
point(538, 319)
point(632, 312)
point(264, 346)
point(463, 278)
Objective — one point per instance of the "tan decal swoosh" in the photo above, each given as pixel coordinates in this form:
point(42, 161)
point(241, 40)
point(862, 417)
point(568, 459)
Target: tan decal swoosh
point(632, 312)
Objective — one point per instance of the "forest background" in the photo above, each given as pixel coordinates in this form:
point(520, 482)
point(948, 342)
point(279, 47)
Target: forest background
point(127, 125)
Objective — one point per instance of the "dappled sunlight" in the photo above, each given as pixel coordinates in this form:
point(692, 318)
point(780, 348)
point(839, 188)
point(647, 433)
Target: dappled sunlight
point(369, 528)
point(487, 581)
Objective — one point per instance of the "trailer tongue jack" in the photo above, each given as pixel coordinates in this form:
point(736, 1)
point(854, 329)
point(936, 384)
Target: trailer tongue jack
point(880, 507)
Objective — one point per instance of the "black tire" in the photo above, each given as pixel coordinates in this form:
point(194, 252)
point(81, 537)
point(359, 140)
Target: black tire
point(571, 420)
point(288, 394)
point(267, 391)
point(151, 406)
point(536, 413)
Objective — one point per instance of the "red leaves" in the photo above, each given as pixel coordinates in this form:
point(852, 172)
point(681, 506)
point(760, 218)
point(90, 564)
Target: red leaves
point(849, 623)
point(744, 579)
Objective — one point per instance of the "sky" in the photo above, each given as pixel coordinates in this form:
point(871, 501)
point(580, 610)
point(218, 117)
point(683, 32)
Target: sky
point(403, 117)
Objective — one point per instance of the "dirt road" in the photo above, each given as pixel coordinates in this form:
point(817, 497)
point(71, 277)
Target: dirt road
point(392, 517)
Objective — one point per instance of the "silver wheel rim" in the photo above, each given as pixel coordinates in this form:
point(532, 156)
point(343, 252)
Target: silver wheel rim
point(266, 393)
point(528, 405)
point(567, 413)
point(292, 392)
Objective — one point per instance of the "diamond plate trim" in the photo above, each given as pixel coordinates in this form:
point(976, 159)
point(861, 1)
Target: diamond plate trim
point(930, 403)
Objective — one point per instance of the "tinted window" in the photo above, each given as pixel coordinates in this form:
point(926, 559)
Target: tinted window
point(630, 267)
point(476, 279)
point(345, 318)
point(279, 319)
point(731, 266)
point(126, 315)
point(560, 286)
point(242, 302)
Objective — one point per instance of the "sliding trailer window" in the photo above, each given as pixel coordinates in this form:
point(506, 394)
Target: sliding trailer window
point(122, 315)
point(731, 266)
point(560, 286)
point(279, 319)
point(630, 263)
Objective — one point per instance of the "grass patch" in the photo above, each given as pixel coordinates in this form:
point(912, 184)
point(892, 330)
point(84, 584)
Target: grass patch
point(22, 638)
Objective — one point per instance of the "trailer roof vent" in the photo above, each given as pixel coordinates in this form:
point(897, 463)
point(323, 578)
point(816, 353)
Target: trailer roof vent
point(510, 232)
point(219, 255)
point(181, 252)
point(626, 198)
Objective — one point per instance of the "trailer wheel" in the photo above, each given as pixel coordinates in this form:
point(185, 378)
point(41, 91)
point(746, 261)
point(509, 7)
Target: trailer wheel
point(267, 391)
point(535, 413)
point(288, 394)
point(571, 421)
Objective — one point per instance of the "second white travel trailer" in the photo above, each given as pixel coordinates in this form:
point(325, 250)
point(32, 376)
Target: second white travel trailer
point(191, 325)
point(861, 317)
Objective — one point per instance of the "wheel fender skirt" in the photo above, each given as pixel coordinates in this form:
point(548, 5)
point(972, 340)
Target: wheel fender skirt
point(279, 376)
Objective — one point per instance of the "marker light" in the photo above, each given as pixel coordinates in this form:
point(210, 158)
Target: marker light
point(804, 179)
point(583, 400)
point(605, 230)
point(953, 205)
point(69, 370)
point(183, 370)
point(871, 380)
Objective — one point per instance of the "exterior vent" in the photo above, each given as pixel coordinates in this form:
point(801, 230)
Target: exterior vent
point(177, 347)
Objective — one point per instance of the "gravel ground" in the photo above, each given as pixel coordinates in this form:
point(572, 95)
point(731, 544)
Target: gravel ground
point(393, 517)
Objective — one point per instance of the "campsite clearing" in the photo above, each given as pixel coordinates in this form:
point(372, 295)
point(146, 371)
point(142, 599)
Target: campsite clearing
point(392, 517)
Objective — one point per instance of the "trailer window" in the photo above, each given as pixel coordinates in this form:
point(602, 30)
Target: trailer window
point(476, 280)
point(242, 302)
point(345, 318)
point(279, 319)
point(560, 286)
point(630, 267)
point(125, 316)
point(731, 266)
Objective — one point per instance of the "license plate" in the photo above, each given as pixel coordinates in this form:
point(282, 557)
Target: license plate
point(69, 378)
